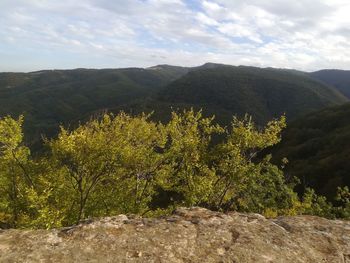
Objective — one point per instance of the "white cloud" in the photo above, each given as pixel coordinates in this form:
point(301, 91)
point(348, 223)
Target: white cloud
point(205, 20)
point(237, 30)
point(303, 34)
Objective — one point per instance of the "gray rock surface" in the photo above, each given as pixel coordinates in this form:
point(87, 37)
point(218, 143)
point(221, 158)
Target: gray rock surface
point(190, 235)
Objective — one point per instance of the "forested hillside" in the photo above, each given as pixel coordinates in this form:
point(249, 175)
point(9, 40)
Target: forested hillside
point(263, 93)
point(340, 79)
point(50, 98)
point(318, 149)
point(100, 164)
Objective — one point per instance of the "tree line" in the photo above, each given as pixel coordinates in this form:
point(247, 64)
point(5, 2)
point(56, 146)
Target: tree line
point(129, 164)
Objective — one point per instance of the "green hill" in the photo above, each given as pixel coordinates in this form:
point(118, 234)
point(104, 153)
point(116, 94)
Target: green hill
point(53, 97)
point(226, 90)
point(48, 98)
point(340, 79)
point(318, 148)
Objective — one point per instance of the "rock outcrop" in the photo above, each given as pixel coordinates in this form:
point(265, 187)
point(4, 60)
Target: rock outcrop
point(189, 235)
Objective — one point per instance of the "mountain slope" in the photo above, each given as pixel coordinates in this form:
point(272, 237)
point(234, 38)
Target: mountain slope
point(318, 148)
point(340, 79)
point(226, 90)
point(53, 97)
point(48, 98)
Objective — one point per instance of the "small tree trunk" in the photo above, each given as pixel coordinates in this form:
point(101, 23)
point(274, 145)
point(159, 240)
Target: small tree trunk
point(14, 197)
point(81, 201)
point(136, 193)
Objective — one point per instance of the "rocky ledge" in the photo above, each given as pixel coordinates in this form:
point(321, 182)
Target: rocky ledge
point(189, 235)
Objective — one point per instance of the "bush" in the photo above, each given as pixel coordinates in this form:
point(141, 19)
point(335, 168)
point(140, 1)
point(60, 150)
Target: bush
point(123, 164)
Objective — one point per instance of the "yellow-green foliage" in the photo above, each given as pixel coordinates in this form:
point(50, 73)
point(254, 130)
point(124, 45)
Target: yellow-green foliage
point(242, 183)
point(188, 170)
point(343, 196)
point(14, 176)
point(111, 164)
point(123, 164)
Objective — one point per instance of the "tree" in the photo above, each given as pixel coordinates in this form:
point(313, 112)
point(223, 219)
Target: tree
point(15, 178)
point(124, 164)
point(113, 158)
point(243, 182)
point(187, 153)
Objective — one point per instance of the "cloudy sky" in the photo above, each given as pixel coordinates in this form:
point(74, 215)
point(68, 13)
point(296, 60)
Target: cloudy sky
point(47, 34)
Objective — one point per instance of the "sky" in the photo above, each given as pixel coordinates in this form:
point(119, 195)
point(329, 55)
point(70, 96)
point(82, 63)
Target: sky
point(62, 34)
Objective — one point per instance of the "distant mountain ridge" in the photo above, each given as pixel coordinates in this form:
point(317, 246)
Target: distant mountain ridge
point(226, 90)
point(340, 79)
point(49, 98)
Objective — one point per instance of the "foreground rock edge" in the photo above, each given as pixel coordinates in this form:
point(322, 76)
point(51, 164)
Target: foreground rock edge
point(189, 235)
